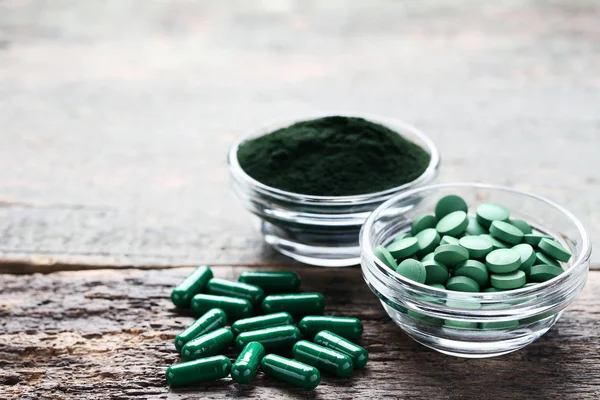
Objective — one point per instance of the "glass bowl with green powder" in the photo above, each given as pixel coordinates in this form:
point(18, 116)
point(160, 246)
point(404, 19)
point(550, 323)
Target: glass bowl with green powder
point(312, 182)
point(464, 321)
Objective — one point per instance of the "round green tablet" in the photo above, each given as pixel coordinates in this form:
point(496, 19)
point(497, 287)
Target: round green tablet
point(404, 248)
point(428, 257)
point(542, 273)
point(534, 238)
point(450, 254)
point(527, 256)
point(495, 242)
point(428, 240)
point(402, 236)
point(453, 224)
point(530, 284)
point(542, 259)
point(490, 212)
point(449, 240)
point(478, 246)
point(413, 270)
point(450, 323)
point(437, 286)
point(512, 280)
point(522, 225)
point(506, 232)
point(462, 284)
point(473, 269)
point(449, 204)
point(423, 222)
point(502, 261)
point(474, 228)
point(554, 249)
point(499, 325)
point(436, 272)
point(385, 257)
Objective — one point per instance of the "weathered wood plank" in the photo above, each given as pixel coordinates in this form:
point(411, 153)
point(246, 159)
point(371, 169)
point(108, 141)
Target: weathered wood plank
point(108, 334)
point(116, 118)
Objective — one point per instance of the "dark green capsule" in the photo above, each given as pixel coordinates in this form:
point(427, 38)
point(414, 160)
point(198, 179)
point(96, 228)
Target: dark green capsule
point(295, 304)
point(349, 328)
point(234, 307)
point(223, 287)
point(261, 322)
point(323, 358)
point(272, 281)
point(195, 283)
point(213, 319)
point(359, 355)
point(207, 345)
point(244, 368)
point(290, 371)
point(202, 370)
point(274, 338)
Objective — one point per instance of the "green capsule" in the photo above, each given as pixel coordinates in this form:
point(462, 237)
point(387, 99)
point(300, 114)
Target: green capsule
point(295, 304)
point(290, 371)
point(245, 367)
point(202, 370)
point(274, 338)
point(323, 358)
point(261, 322)
point(330, 340)
point(207, 345)
point(223, 287)
point(234, 308)
point(347, 327)
point(272, 281)
point(213, 319)
point(195, 283)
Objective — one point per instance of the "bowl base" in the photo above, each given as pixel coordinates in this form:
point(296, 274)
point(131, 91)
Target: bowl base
point(314, 249)
point(468, 343)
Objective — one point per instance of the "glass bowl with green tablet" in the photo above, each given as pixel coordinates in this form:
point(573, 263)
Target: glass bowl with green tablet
point(474, 270)
point(313, 181)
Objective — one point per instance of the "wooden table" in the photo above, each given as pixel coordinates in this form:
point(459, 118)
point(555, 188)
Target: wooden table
point(115, 120)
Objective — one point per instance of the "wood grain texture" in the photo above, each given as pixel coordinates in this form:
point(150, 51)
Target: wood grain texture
point(108, 334)
point(116, 116)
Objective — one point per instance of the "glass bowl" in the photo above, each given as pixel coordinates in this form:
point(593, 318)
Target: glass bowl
point(474, 325)
point(320, 230)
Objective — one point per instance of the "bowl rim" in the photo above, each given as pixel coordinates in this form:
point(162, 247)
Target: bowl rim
point(396, 125)
point(367, 247)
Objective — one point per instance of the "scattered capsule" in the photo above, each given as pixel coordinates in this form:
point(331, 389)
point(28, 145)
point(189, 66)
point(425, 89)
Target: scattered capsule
point(233, 307)
point(323, 358)
point(274, 338)
point(193, 284)
point(261, 322)
point(272, 281)
point(213, 319)
point(359, 355)
point(244, 368)
point(223, 287)
point(295, 304)
point(290, 371)
point(349, 328)
point(207, 345)
point(202, 370)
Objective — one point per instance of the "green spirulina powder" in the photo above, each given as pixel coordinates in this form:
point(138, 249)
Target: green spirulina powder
point(333, 156)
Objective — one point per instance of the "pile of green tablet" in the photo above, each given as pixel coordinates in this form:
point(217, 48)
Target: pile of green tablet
point(258, 338)
point(484, 252)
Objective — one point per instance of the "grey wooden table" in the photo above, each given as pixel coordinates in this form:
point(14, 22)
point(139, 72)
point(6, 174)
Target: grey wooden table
point(116, 117)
